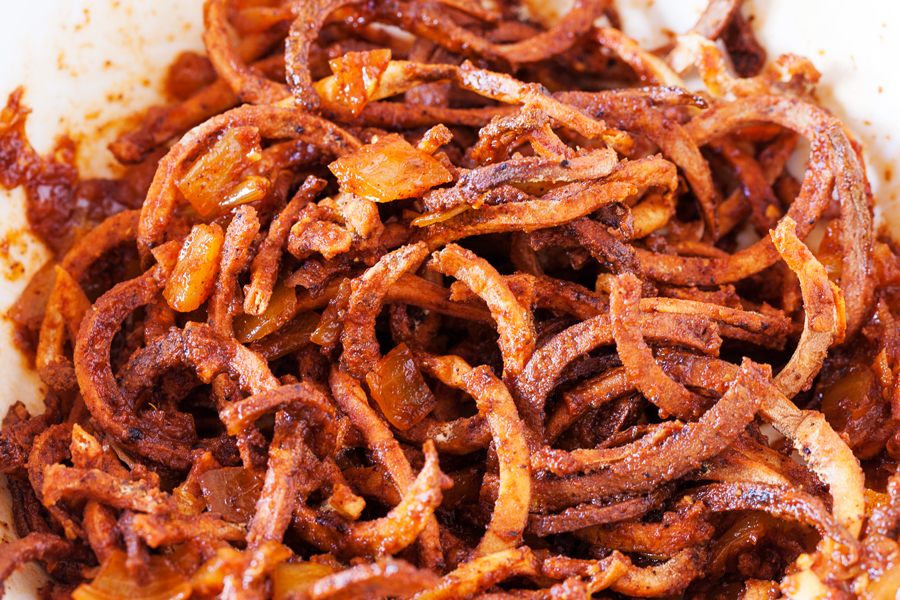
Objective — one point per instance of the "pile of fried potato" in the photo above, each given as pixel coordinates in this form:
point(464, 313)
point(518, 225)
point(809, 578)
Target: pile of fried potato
point(422, 299)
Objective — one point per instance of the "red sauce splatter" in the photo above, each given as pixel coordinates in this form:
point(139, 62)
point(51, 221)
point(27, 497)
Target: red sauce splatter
point(57, 200)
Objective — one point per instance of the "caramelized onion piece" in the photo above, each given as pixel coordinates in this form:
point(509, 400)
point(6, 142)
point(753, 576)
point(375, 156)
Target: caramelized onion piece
point(496, 404)
point(290, 579)
point(216, 172)
point(481, 573)
point(272, 122)
point(356, 77)
point(593, 393)
point(813, 199)
point(361, 77)
point(114, 581)
point(281, 307)
point(460, 436)
point(857, 235)
point(416, 291)
point(718, 13)
point(427, 21)
point(194, 277)
point(388, 169)
point(651, 466)
point(669, 578)
point(508, 519)
point(230, 571)
point(398, 388)
point(826, 453)
point(231, 492)
point(562, 463)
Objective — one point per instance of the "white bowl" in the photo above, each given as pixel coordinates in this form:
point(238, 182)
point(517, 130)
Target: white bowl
point(90, 65)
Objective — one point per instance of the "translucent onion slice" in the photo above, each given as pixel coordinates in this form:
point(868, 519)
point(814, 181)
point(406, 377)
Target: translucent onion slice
point(114, 583)
point(398, 387)
point(194, 276)
point(214, 174)
point(251, 189)
point(292, 580)
point(332, 322)
point(439, 217)
point(232, 492)
point(281, 309)
point(389, 169)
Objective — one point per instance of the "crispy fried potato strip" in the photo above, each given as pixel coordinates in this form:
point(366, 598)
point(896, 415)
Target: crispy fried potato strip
point(778, 501)
point(481, 573)
point(34, 546)
point(670, 577)
point(823, 306)
point(351, 399)
point(548, 362)
point(367, 292)
point(384, 578)
point(670, 396)
point(496, 404)
point(556, 207)
point(264, 271)
point(648, 465)
point(827, 454)
point(67, 303)
point(514, 322)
